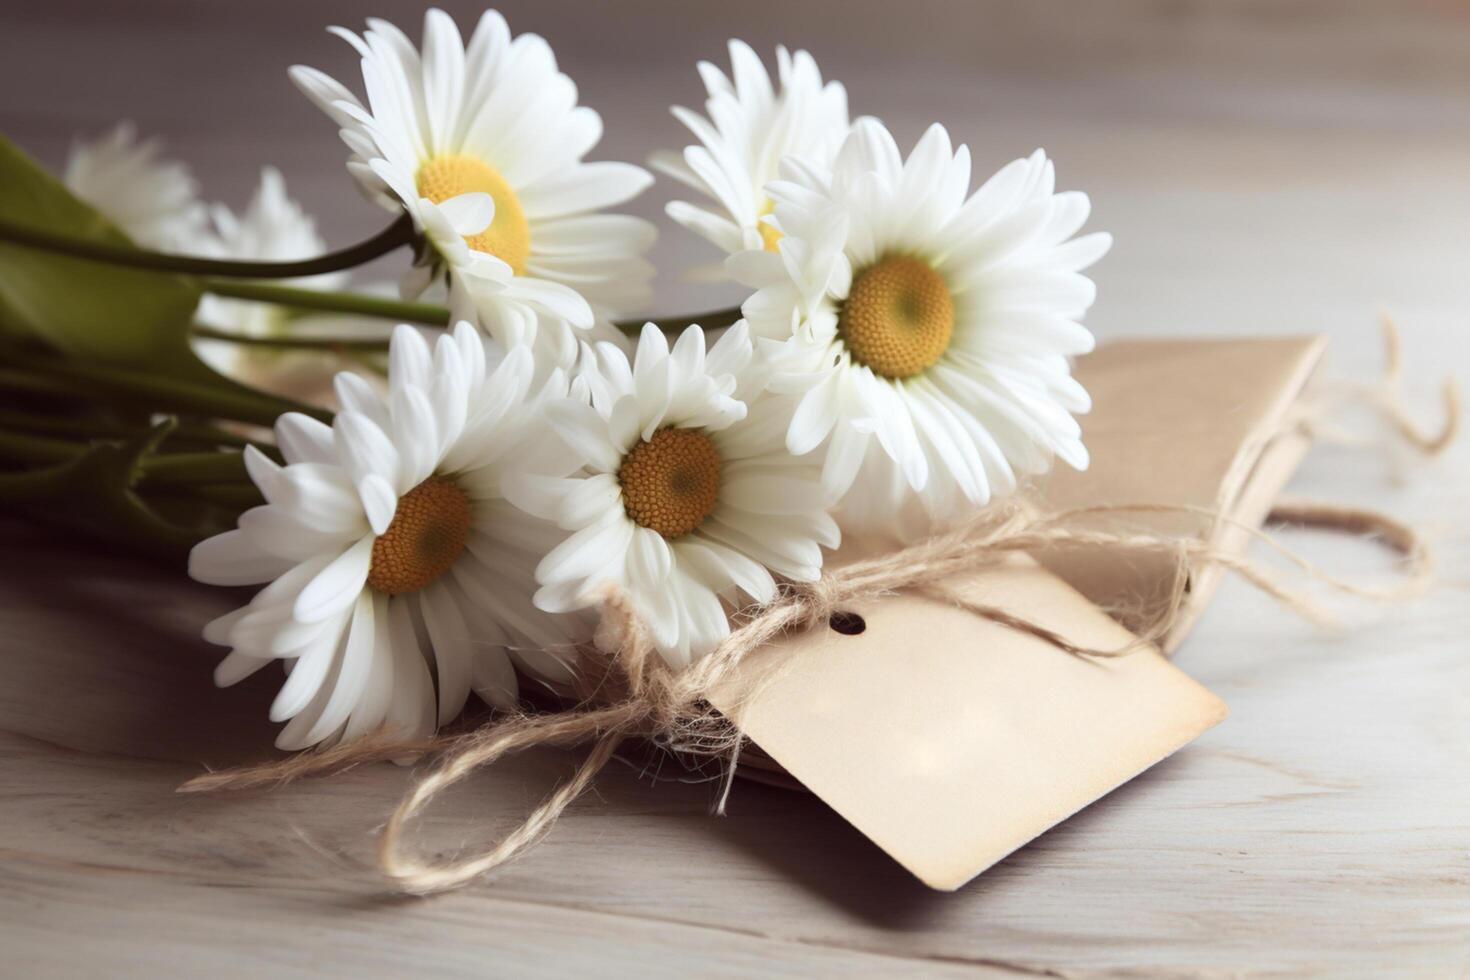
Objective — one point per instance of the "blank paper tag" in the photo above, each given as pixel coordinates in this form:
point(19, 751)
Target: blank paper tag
point(950, 741)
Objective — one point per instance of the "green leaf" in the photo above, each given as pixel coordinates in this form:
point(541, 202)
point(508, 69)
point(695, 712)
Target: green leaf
point(87, 309)
point(93, 312)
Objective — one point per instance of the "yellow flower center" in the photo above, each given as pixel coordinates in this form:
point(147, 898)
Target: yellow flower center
point(898, 317)
point(770, 235)
point(509, 236)
point(426, 535)
point(671, 482)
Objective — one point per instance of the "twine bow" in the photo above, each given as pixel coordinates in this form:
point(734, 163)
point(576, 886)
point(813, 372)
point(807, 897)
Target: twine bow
point(633, 693)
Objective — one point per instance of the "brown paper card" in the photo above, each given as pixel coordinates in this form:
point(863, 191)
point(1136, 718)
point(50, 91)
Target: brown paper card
point(949, 740)
point(1198, 423)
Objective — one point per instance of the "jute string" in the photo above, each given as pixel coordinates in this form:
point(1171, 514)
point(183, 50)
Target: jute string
point(633, 693)
point(1383, 397)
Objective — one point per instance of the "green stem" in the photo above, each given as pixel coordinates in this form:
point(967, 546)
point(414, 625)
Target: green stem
point(93, 428)
point(396, 235)
point(334, 302)
point(425, 313)
point(21, 448)
point(38, 385)
point(291, 342)
point(191, 469)
point(160, 393)
point(213, 435)
point(171, 470)
point(709, 320)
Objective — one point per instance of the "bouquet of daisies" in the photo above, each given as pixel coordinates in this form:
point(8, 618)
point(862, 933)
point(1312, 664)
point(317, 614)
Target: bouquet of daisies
point(445, 516)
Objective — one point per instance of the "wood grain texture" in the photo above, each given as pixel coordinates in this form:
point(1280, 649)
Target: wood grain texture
point(1265, 168)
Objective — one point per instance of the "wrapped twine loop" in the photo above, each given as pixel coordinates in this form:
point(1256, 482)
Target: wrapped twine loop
point(633, 693)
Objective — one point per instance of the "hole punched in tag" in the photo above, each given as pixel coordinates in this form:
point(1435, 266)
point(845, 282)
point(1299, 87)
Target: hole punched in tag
point(847, 623)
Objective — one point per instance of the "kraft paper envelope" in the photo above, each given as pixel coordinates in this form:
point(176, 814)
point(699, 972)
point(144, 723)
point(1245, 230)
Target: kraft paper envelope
point(949, 740)
point(1201, 423)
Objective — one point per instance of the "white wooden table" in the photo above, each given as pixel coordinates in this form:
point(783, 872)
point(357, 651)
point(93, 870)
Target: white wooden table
point(1264, 169)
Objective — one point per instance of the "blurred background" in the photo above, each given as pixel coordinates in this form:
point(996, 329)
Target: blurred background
point(1264, 166)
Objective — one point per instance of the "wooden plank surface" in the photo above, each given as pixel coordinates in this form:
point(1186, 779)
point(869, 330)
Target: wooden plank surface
point(1264, 167)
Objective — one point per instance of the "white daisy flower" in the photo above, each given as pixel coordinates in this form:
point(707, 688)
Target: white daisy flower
point(482, 145)
point(153, 200)
point(749, 127)
point(388, 546)
point(273, 228)
point(944, 321)
point(685, 494)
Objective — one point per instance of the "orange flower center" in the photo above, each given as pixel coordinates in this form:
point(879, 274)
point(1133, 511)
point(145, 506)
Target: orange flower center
point(427, 533)
point(671, 482)
point(898, 318)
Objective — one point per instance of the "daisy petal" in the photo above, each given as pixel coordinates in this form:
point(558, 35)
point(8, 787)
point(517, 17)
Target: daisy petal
point(336, 586)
